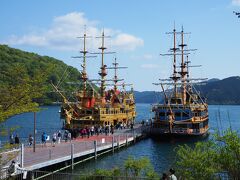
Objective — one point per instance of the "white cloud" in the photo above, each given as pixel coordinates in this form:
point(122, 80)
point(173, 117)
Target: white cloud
point(127, 41)
point(148, 56)
point(63, 32)
point(236, 2)
point(149, 66)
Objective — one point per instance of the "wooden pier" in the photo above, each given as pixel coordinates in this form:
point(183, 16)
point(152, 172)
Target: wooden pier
point(76, 151)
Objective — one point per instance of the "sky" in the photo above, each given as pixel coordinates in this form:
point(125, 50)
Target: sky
point(137, 30)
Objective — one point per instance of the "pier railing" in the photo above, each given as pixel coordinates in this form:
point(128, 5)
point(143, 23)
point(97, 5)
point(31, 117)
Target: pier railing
point(50, 153)
point(67, 151)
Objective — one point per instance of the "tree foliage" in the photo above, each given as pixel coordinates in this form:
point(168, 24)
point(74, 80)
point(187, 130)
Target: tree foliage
point(139, 167)
point(211, 158)
point(36, 68)
point(18, 90)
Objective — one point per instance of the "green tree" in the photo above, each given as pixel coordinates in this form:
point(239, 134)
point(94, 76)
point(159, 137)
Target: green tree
point(139, 167)
point(198, 162)
point(228, 153)
point(211, 158)
point(18, 91)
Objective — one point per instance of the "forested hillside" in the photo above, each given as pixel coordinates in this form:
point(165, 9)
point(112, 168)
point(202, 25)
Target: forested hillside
point(55, 70)
point(225, 91)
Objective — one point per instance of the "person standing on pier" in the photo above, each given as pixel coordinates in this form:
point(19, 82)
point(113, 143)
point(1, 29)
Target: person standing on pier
point(30, 140)
point(88, 132)
point(66, 135)
point(59, 135)
point(54, 139)
point(17, 141)
point(11, 139)
point(44, 138)
point(69, 136)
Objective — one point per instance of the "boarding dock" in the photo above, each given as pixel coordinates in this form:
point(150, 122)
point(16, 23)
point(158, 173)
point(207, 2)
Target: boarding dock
point(65, 155)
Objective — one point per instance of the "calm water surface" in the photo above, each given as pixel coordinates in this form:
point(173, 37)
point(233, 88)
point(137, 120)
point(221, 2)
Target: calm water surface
point(161, 154)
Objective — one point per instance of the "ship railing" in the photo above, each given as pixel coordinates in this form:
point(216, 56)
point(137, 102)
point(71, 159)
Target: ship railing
point(181, 130)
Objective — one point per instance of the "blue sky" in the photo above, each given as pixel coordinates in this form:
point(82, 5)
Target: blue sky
point(137, 28)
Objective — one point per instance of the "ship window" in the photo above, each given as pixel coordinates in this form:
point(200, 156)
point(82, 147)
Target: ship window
point(89, 112)
point(177, 114)
point(162, 114)
point(184, 114)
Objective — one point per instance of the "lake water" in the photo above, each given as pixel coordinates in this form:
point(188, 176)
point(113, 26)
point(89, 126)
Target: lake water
point(160, 153)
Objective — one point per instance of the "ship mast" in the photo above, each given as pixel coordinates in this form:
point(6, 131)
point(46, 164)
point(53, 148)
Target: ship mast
point(103, 68)
point(183, 72)
point(84, 75)
point(115, 64)
point(174, 49)
point(115, 78)
point(103, 71)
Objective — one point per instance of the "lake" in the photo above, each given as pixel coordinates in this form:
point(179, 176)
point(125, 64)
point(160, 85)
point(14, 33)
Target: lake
point(160, 153)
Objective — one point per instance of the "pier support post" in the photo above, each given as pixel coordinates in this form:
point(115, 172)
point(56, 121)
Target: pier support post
point(118, 143)
point(126, 139)
point(22, 155)
point(72, 156)
point(95, 149)
point(113, 144)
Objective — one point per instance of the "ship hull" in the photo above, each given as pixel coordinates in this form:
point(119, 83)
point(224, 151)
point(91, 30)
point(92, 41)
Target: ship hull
point(189, 121)
point(156, 132)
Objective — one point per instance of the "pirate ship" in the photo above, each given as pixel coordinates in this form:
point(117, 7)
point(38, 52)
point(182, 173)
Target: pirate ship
point(184, 111)
point(98, 106)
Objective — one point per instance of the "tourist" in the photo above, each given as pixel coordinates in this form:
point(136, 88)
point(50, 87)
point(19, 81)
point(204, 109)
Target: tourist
point(66, 135)
point(112, 129)
point(92, 130)
point(54, 139)
point(96, 130)
point(59, 136)
point(14, 169)
point(82, 132)
point(11, 139)
point(88, 132)
point(17, 141)
point(131, 126)
point(44, 138)
point(172, 176)
point(69, 136)
point(106, 130)
point(30, 140)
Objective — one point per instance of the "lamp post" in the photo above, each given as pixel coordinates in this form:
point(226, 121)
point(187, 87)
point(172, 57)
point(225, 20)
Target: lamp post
point(34, 133)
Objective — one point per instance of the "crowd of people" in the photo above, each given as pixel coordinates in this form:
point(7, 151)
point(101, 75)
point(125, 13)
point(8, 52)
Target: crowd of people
point(14, 140)
point(66, 135)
